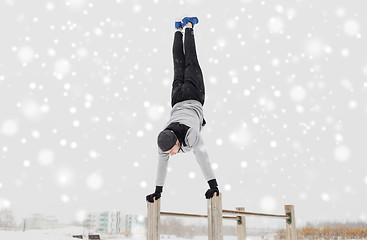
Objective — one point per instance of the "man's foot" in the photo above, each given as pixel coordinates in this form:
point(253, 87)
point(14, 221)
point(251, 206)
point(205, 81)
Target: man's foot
point(192, 20)
point(178, 25)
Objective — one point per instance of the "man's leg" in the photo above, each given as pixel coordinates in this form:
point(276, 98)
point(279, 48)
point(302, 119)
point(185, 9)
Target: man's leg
point(194, 83)
point(179, 68)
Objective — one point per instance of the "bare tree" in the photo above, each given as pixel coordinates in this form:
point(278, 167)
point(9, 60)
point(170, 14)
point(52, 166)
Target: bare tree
point(6, 219)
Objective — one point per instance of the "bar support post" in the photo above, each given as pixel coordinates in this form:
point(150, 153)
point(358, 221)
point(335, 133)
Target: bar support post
point(241, 225)
point(215, 217)
point(290, 223)
point(153, 218)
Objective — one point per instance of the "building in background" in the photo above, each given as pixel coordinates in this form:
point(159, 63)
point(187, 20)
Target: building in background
point(114, 222)
point(134, 225)
point(103, 222)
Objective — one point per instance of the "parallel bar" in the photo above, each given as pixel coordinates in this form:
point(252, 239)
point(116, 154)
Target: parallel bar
point(255, 214)
point(183, 214)
point(193, 215)
point(226, 212)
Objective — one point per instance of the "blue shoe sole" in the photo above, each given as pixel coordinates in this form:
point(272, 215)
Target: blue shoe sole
point(193, 20)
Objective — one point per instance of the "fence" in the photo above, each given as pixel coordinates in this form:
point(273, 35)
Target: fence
point(215, 216)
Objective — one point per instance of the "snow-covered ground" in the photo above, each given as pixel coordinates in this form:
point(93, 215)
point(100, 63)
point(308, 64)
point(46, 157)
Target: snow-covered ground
point(66, 234)
point(54, 234)
point(59, 235)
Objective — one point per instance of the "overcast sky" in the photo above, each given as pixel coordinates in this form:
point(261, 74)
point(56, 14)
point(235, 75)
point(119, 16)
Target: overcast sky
point(85, 89)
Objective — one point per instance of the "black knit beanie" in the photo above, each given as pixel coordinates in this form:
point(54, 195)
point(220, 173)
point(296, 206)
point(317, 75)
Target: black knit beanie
point(166, 140)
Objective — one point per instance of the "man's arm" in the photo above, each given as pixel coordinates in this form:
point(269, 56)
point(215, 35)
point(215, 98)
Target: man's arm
point(161, 176)
point(196, 141)
point(162, 168)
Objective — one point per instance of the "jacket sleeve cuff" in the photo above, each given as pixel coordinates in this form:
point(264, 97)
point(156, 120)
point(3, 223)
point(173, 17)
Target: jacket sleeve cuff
point(159, 189)
point(213, 183)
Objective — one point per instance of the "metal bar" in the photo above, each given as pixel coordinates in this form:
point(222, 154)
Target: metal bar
point(239, 213)
point(193, 215)
point(183, 214)
point(255, 214)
